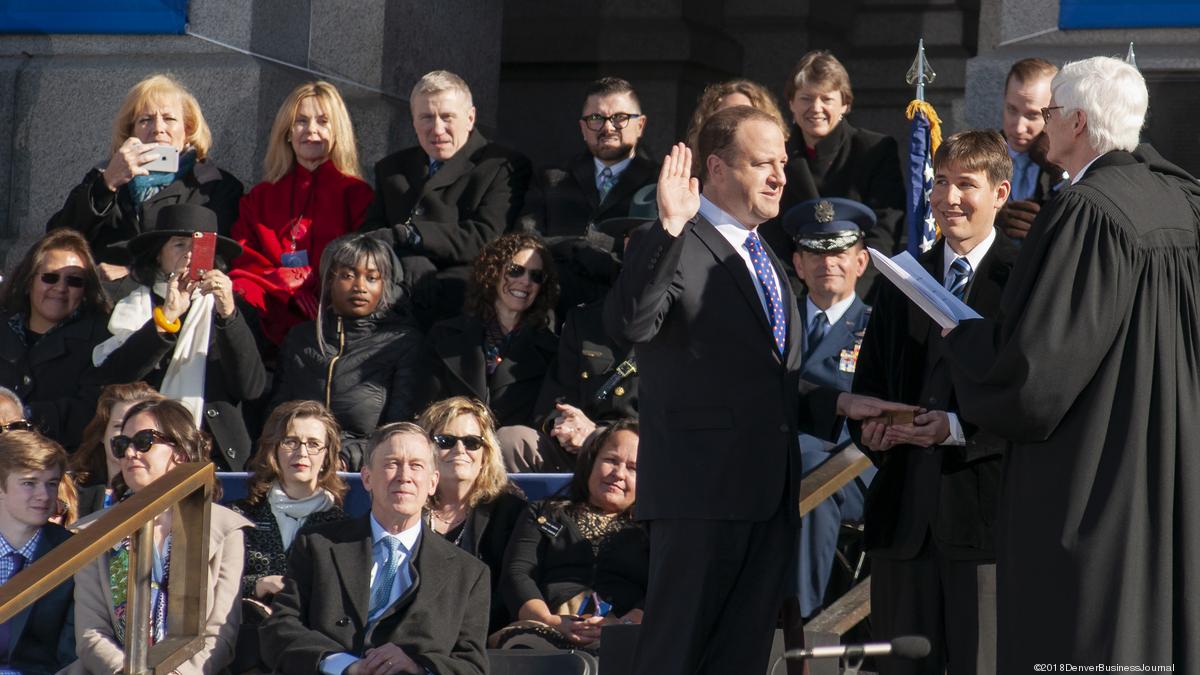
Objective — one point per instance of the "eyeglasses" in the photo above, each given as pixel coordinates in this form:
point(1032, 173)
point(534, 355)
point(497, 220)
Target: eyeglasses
point(311, 447)
point(596, 121)
point(142, 441)
point(17, 425)
point(51, 279)
point(515, 271)
point(1046, 112)
point(446, 441)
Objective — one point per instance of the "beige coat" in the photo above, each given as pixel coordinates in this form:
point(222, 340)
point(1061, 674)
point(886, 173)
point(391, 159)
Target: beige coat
point(95, 642)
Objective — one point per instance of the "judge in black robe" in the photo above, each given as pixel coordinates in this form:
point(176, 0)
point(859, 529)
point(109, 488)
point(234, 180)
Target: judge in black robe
point(1093, 373)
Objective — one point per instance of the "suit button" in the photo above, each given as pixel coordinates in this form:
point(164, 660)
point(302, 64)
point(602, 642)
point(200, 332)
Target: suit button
point(27, 380)
point(344, 621)
point(584, 375)
point(619, 391)
point(212, 412)
point(231, 452)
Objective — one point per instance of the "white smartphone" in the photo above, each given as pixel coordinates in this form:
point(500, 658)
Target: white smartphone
point(167, 159)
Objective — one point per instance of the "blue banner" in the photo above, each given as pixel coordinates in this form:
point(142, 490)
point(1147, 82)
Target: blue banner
point(94, 16)
point(1128, 14)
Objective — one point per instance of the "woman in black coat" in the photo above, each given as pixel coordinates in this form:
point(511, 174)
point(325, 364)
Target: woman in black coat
point(189, 339)
point(575, 565)
point(116, 203)
point(52, 314)
point(475, 505)
point(499, 350)
point(360, 360)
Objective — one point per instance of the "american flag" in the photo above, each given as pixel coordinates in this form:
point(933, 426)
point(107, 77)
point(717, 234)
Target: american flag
point(924, 137)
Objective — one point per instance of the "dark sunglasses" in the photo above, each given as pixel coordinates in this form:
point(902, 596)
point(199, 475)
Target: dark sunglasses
point(51, 278)
point(515, 271)
point(142, 441)
point(446, 441)
point(17, 425)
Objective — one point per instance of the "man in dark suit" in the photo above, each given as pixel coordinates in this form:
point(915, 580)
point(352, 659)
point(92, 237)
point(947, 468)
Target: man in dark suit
point(830, 257)
point(714, 324)
point(440, 202)
point(931, 507)
point(1026, 92)
point(566, 204)
point(381, 594)
point(41, 638)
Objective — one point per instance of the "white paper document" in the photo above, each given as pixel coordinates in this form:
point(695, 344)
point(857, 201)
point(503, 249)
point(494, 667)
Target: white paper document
point(934, 299)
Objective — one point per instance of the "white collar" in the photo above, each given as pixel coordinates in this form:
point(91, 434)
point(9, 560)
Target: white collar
point(615, 168)
point(835, 312)
point(1079, 174)
point(408, 538)
point(720, 218)
point(974, 256)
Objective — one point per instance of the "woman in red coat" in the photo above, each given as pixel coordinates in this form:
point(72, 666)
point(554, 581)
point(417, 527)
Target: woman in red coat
point(312, 194)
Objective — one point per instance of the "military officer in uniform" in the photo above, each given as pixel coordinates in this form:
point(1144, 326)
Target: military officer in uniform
point(830, 257)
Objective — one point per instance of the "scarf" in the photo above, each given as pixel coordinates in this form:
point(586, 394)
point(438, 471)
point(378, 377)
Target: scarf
point(142, 188)
point(184, 379)
point(290, 514)
point(118, 583)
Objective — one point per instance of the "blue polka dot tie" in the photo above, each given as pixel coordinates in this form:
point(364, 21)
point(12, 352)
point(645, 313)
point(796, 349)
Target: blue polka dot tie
point(770, 288)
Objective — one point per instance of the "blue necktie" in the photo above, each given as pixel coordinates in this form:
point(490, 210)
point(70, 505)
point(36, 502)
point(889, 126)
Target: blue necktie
point(386, 577)
point(434, 165)
point(607, 180)
point(816, 331)
point(1024, 179)
point(770, 289)
point(18, 563)
point(960, 276)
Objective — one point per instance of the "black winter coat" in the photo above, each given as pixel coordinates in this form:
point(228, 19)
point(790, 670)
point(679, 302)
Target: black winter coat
point(265, 553)
point(367, 374)
point(108, 218)
point(235, 373)
point(54, 377)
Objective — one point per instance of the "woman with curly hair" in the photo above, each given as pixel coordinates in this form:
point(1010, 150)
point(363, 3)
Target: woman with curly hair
point(475, 505)
point(156, 437)
point(93, 465)
point(498, 351)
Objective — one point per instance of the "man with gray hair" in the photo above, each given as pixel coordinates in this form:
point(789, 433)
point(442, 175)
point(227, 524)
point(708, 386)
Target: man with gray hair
point(1093, 373)
point(440, 202)
point(11, 408)
point(382, 594)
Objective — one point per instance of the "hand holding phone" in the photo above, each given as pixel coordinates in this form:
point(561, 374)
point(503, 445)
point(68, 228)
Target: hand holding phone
point(161, 158)
point(204, 250)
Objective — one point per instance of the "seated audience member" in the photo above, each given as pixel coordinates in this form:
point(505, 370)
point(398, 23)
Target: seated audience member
point(361, 358)
point(115, 203)
point(499, 350)
point(723, 95)
point(566, 204)
point(93, 464)
point(475, 506)
point(830, 257)
point(828, 157)
point(380, 593)
point(931, 508)
point(12, 412)
point(1026, 93)
point(40, 639)
point(53, 312)
point(440, 203)
point(187, 338)
point(568, 555)
point(156, 437)
point(312, 194)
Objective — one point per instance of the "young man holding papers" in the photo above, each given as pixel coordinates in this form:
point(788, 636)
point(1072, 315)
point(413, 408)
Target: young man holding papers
point(930, 508)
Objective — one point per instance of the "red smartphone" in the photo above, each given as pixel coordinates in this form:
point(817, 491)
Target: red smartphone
point(204, 249)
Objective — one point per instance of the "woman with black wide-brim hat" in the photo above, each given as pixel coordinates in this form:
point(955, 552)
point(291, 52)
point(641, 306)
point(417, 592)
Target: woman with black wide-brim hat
point(188, 338)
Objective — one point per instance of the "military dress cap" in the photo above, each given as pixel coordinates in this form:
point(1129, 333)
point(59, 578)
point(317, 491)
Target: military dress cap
point(828, 225)
point(643, 208)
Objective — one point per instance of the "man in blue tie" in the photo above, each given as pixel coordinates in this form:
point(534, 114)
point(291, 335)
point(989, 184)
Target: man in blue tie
point(1026, 92)
point(931, 505)
point(377, 595)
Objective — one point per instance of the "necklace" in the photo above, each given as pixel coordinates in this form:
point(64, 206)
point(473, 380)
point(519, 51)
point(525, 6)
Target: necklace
point(450, 524)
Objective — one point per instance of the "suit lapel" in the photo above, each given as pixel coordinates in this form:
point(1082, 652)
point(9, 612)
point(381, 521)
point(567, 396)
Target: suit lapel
point(428, 572)
point(462, 354)
point(584, 171)
point(840, 334)
point(456, 167)
point(18, 622)
point(729, 258)
point(352, 559)
point(634, 176)
point(523, 361)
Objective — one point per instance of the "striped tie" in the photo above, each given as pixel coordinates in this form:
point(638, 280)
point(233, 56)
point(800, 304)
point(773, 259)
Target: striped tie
point(770, 289)
point(960, 276)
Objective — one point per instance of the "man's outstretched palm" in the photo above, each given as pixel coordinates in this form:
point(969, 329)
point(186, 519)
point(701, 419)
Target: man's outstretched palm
point(678, 191)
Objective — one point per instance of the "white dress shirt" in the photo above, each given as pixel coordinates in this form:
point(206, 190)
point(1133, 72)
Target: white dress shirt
point(616, 169)
point(1079, 174)
point(736, 233)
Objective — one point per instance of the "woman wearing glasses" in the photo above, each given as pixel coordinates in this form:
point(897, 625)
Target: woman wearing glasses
point(498, 351)
point(156, 437)
point(475, 505)
point(360, 358)
point(52, 313)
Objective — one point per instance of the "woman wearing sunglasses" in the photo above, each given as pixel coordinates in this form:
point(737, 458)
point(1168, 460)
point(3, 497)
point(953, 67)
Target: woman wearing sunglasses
point(475, 505)
point(156, 437)
point(52, 313)
point(93, 465)
point(360, 358)
point(498, 351)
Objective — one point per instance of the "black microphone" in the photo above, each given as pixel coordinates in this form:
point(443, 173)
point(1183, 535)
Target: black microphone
point(906, 647)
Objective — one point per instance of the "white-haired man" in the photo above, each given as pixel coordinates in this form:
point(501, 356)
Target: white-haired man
point(1093, 373)
point(438, 203)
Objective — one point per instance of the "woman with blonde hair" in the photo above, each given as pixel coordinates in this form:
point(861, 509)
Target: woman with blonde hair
point(313, 194)
point(721, 95)
point(121, 200)
point(475, 506)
